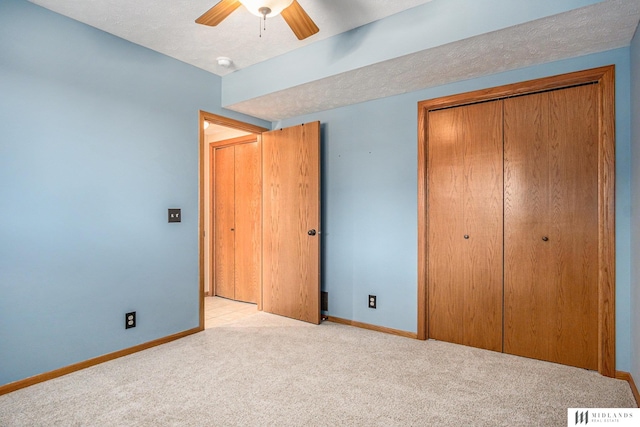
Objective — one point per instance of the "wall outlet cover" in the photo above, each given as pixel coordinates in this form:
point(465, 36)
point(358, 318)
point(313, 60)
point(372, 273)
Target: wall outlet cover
point(130, 320)
point(372, 301)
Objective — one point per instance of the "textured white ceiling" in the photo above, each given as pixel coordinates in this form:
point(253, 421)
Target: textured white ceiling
point(216, 132)
point(591, 29)
point(168, 26)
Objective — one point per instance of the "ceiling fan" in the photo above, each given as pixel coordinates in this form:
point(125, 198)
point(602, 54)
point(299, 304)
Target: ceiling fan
point(295, 16)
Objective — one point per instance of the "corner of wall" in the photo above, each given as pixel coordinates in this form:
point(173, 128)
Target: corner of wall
point(635, 203)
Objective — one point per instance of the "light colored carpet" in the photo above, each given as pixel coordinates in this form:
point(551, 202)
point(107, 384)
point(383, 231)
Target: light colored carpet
point(267, 370)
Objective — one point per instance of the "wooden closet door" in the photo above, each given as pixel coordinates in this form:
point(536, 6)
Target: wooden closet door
point(464, 223)
point(248, 230)
point(551, 226)
point(224, 211)
point(445, 226)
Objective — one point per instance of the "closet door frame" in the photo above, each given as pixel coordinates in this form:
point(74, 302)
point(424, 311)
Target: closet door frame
point(604, 77)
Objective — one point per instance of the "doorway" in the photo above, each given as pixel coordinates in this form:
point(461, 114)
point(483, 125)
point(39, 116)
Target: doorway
point(290, 216)
point(213, 130)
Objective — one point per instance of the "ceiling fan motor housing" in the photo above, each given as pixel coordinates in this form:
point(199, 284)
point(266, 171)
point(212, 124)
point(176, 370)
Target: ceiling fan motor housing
point(292, 13)
point(258, 7)
point(264, 11)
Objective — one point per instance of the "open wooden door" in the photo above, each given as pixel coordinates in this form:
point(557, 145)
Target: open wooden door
point(291, 222)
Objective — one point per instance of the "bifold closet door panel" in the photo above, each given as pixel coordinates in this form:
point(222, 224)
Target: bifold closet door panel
point(445, 226)
point(464, 222)
point(483, 222)
point(527, 217)
point(551, 226)
point(224, 211)
point(248, 229)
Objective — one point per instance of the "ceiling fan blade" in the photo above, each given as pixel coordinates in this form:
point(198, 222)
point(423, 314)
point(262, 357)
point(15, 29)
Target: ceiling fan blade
point(300, 23)
point(217, 13)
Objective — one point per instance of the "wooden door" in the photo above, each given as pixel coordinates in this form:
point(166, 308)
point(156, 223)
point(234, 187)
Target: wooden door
point(224, 213)
point(248, 233)
point(237, 217)
point(464, 225)
point(291, 222)
point(551, 226)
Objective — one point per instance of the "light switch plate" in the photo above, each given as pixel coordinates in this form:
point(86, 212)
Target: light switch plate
point(175, 215)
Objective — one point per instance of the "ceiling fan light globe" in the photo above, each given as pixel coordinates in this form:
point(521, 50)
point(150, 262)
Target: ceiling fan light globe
point(276, 6)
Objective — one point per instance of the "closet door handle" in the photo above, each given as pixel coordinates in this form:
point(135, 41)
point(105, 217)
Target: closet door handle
point(311, 232)
point(466, 236)
point(545, 239)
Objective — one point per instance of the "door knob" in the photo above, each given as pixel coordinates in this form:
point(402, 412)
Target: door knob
point(311, 232)
point(466, 236)
point(545, 239)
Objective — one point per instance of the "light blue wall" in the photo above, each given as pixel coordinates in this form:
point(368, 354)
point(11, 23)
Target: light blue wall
point(370, 198)
point(98, 137)
point(635, 231)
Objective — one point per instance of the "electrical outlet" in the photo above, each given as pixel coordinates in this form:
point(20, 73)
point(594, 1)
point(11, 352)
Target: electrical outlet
point(130, 320)
point(372, 301)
